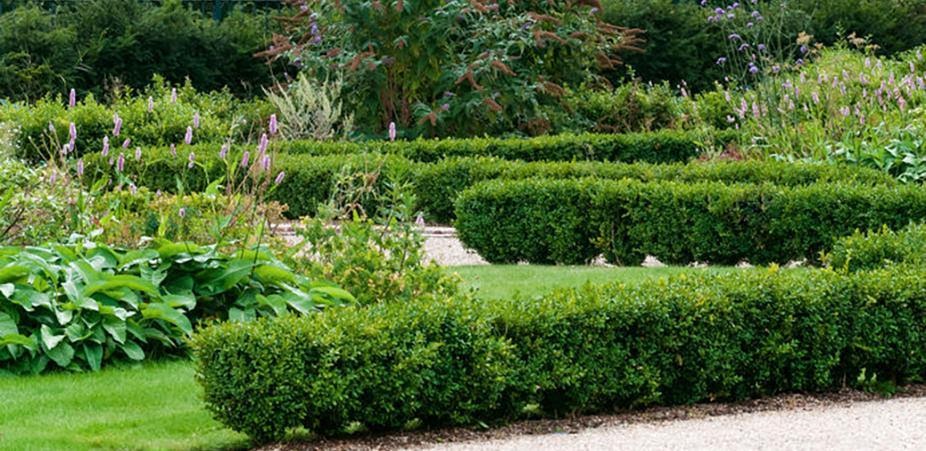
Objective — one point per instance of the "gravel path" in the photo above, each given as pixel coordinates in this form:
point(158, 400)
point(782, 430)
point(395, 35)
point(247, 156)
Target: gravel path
point(889, 424)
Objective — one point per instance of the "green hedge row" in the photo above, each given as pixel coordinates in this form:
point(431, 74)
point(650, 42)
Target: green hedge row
point(573, 221)
point(664, 146)
point(690, 339)
point(310, 179)
point(878, 248)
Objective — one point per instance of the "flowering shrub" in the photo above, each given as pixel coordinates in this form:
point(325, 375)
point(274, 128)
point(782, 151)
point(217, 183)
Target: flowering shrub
point(451, 68)
point(846, 106)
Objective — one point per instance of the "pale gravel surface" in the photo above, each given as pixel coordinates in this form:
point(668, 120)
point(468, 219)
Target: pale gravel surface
point(888, 425)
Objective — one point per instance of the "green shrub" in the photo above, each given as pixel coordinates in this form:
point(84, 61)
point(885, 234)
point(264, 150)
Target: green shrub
point(657, 147)
point(693, 338)
point(573, 221)
point(310, 179)
point(878, 248)
point(97, 45)
point(80, 306)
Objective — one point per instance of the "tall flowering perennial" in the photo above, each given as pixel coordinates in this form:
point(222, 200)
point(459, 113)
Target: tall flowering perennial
point(761, 38)
point(490, 55)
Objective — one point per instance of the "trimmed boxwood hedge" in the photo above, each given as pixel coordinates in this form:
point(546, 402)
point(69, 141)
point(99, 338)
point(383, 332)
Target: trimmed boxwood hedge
point(689, 339)
point(663, 146)
point(573, 221)
point(310, 179)
point(879, 248)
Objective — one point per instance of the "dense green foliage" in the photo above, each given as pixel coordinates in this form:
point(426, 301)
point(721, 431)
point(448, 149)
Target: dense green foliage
point(451, 68)
point(878, 248)
point(310, 180)
point(80, 306)
point(682, 45)
point(572, 221)
point(97, 45)
point(688, 339)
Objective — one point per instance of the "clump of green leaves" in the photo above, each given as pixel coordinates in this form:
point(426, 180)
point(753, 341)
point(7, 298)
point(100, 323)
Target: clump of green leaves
point(82, 305)
point(452, 68)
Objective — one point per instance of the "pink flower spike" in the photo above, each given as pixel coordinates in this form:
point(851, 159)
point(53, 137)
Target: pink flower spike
point(150, 104)
point(133, 189)
point(126, 143)
point(137, 153)
point(223, 152)
point(392, 131)
point(196, 119)
point(120, 162)
point(80, 167)
point(262, 146)
point(265, 163)
point(117, 124)
point(188, 138)
point(244, 158)
point(279, 178)
point(173, 150)
point(173, 95)
point(182, 212)
point(192, 160)
point(72, 98)
point(273, 124)
point(72, 131)
point(105, 151)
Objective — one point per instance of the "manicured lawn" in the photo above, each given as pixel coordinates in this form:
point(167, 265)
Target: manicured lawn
point(150, 406)
point(501, 281)
point(157, 405)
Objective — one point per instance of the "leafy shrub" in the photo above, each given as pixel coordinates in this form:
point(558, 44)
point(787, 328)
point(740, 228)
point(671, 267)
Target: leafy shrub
point(878, 248)
point(80, 306)
point(572, 221)
point(84, 45)
point(452, 69)
point(689, 339)
point(630, 107)
point(377, 256)
point(311, 109)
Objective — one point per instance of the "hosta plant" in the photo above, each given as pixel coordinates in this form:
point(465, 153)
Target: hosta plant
point(80, 306)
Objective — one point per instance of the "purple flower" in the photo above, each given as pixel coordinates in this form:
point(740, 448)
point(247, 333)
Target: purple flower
point(191, 160)
point(72, 131)
point(273, 124)
point(245, 157)
point(105, 151)
point(133, 189)
point(265, 163)
point(223, 152)
point(188, 137)
point(753, 69)
point(137, 153)
point(150, 104)
point(734, 37)
point(761, 47)
point(721, 60)
point(126, 143)
point(72, 98)
point(182, 212)
point(80, 167)
point(445, 107)
point(262, 144)
point(53, 177)
point(196, 119)
point(117, 124)
point(392, 131)
point(120, 162)
point(804, 49)
point(173, 95)
point(279, 178)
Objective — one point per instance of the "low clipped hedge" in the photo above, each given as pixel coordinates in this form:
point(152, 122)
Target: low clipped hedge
point(573, 221)
point(879, 248)
point(664, 146)
point(689, 339)
point(310, 179)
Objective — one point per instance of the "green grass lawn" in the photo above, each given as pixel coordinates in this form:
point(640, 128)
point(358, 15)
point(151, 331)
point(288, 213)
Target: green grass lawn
point(158, 405)
point(503, 281)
